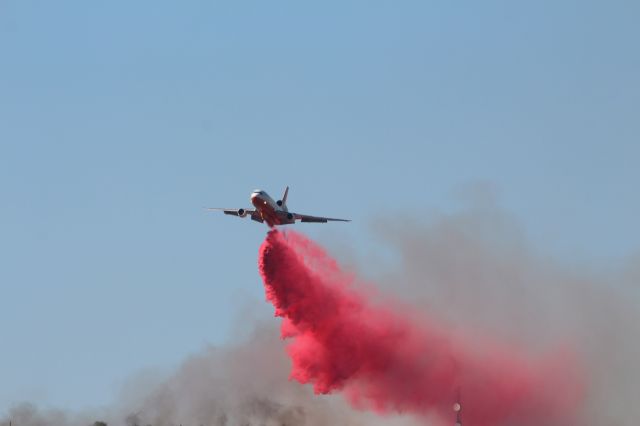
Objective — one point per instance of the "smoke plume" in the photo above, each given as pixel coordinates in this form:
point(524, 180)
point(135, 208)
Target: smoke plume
point(526, 338)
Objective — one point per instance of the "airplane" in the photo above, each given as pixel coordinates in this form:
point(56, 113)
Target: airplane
point(274, 212)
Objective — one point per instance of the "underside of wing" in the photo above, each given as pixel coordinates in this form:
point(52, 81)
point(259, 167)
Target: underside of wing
point(234, 212)
point(317, 219)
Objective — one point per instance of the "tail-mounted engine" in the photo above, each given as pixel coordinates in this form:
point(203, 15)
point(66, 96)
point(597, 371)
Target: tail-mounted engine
point(282, 203)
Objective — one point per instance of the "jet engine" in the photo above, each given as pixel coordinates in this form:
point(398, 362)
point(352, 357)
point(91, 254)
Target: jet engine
point(290, 216)
point(242, 212)
point(279, 203)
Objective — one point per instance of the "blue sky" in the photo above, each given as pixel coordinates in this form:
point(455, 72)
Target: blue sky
point(120, 120)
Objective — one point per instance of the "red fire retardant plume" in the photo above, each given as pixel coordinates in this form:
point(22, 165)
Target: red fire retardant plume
point(384, 359)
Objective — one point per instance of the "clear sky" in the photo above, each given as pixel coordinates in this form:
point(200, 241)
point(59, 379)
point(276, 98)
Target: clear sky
point(120, 120)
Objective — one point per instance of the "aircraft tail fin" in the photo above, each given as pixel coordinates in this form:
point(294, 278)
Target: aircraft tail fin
point(282, 203)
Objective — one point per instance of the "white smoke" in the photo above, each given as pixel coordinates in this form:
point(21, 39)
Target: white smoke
point(477, 270)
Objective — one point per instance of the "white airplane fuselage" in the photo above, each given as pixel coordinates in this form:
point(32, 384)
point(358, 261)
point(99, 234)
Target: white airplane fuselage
point(271, 211)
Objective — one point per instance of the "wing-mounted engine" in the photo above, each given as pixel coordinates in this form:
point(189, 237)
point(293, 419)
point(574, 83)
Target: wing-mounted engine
point(286, 217)
point(242, 213)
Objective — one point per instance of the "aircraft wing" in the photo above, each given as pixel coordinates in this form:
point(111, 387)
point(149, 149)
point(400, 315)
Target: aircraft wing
point(233, 212)
point(317, 219)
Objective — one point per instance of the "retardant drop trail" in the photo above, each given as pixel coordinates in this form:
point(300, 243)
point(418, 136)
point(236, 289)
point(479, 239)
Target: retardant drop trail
point(343, 340)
